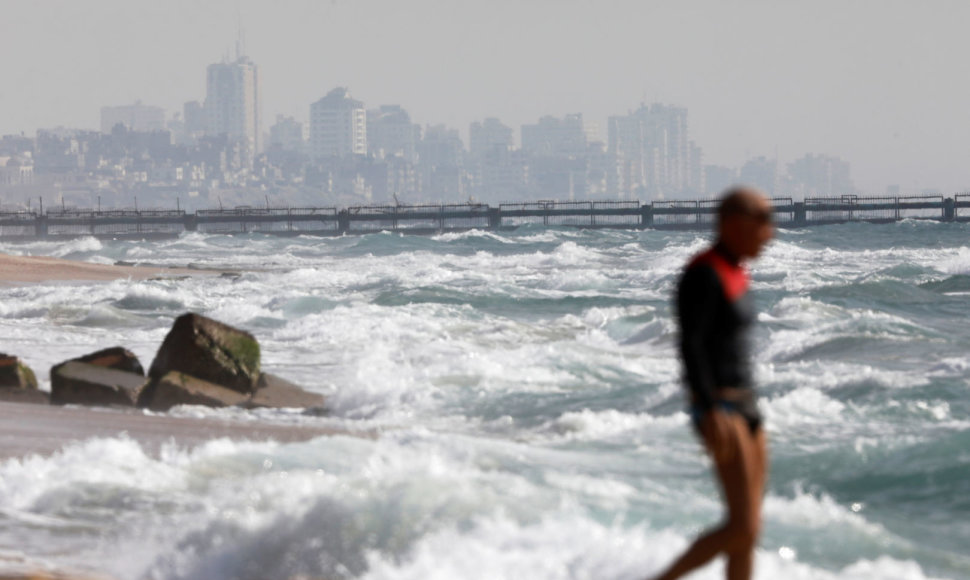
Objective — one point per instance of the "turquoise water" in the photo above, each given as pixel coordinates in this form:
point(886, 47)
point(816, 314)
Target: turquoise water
point(525, 388)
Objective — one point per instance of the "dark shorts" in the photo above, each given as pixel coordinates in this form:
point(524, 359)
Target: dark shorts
point(747, 409)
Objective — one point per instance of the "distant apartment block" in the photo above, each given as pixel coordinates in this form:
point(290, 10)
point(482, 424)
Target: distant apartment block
point(761, 172)
point(655, 155)
point(136, 117)
point(696, 176)
point(441, 146)
point(193, 119)
point(232, 106)
point(288, 134)
point(390, 133)
point(487, 136)
point(552, 137)
point(338, 126)
point(820, 175)
point(17, 170)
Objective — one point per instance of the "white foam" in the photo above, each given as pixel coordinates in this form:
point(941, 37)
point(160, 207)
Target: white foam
point(810, 512)
point(487, 462)
point(599, 425)
point(827, 375)
point(954, 261)
point(575, 548)
point(804, 405)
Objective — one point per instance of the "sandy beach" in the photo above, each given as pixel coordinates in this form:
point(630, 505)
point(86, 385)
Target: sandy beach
point(32, 269)
point(41, 429)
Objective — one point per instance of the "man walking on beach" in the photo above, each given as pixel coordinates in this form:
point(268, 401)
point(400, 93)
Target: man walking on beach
point(715, 311)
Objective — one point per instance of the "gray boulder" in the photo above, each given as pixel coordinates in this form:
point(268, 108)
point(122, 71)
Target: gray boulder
point(87, 384)
point(175, 388)
point(210, 351)
point(35, 396)
point(275, 392)
point(118, 358)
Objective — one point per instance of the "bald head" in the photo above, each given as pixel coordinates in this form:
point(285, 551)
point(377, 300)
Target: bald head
point(744, 221)
point(740, 200)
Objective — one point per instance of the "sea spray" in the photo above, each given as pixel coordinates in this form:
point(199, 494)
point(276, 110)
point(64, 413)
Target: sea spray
point(525, 394)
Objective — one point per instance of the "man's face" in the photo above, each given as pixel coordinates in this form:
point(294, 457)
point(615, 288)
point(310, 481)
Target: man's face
point(747, 233)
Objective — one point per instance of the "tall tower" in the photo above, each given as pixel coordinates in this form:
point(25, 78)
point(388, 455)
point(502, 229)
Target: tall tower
point(654, 151)
point(338, 126)
point(232, 102)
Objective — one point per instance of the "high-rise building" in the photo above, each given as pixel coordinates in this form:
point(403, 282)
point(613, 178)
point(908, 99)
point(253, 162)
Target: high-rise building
point(136, 117)
point(761, 172)
point(232, 103)
point(552, 137)
point(441, 146)
point(390, 133)
point(338, 126)
point(821, 175)
point(17, 170)
point(495, 172)
point(441, 153)
point(288, 134)
point(193, 119)
point(487, 136)
point(696, 178)
point(653, 147)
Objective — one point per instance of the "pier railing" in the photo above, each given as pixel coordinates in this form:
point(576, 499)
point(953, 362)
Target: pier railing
point(414, 218)
point(435, 218)
point(271, 220)
point(961, 206)
point(847, 208)
point(119, 222)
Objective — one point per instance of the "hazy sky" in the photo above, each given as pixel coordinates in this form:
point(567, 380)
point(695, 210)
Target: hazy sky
point(884, 84)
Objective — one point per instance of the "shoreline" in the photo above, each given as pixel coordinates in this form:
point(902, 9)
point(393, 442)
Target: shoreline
point(39, 269)
point(27, 429)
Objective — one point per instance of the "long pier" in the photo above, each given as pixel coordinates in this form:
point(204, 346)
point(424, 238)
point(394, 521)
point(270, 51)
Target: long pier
point(434, 219)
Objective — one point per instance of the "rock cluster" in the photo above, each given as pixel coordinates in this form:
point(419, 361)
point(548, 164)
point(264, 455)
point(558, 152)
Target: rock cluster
point(200, 362)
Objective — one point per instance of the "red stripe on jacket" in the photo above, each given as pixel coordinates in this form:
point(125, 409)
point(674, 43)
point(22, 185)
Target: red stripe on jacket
point(733, 277)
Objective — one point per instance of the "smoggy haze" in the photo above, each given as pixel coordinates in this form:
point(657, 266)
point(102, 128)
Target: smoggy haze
point(881, 84)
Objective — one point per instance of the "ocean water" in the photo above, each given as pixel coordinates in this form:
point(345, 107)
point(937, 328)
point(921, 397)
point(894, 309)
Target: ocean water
point(524, 388)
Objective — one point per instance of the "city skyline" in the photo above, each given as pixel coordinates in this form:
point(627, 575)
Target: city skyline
point(134, 115)
point(870, 83)
point(873, 84)
point(347, 151)
point(637, 158)
point(647, 153)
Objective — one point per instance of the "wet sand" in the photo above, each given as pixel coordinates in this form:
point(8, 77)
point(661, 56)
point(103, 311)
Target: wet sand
point(34, 269)
point(44, 429)
point(48, 575)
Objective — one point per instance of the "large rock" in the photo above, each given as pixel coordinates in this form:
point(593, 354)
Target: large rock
point(14, 374)
point(118, 358)
point(87, 384)
point(176, 388)
point(211, 351)
point(274, 392)
point(35, 396)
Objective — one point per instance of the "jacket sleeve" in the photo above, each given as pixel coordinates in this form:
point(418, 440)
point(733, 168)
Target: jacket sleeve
point(697, 296)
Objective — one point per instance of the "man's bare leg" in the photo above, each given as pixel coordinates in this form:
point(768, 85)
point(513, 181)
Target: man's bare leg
point(742, 481)
point(741, 562)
